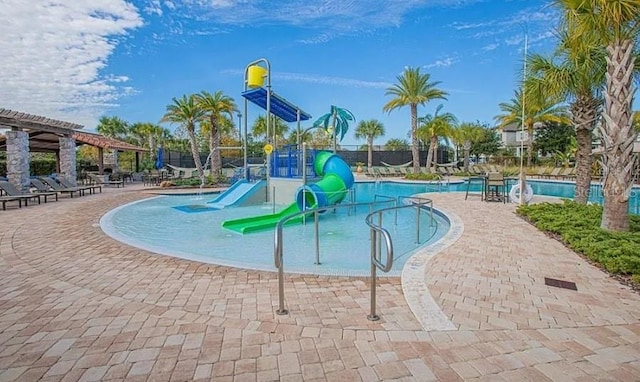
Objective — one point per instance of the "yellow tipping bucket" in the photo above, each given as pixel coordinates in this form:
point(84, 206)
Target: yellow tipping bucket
point(255, 76)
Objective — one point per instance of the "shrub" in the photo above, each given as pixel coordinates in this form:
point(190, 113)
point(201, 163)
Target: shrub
point(579, 227)
point(423, 177)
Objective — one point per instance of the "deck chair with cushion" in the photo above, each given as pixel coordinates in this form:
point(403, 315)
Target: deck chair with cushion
point(11, 191)
point(55, 186)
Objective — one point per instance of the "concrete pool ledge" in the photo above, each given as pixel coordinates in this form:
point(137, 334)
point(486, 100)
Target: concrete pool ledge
point(414, 278)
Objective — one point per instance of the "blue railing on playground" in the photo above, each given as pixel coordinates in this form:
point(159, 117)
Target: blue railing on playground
point(288, 162)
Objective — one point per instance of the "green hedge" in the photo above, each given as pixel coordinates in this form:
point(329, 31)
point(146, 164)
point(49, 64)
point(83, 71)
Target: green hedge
point(36, 167)
point(579, 227)
point(423, 176)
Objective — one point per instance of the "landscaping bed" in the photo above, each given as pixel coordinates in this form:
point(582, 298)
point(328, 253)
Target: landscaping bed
point(578, 227)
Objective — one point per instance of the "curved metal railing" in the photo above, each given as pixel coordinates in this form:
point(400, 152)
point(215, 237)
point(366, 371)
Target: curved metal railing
point(278, 239)
point(377, 231)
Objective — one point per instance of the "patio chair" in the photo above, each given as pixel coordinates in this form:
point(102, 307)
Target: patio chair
point(496, 188)
point(11, 191)
point(91, 187)
point(55, 186)
point(100, 181)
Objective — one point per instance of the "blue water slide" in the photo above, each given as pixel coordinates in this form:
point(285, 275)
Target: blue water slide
point(337, 178)
point(239, 193)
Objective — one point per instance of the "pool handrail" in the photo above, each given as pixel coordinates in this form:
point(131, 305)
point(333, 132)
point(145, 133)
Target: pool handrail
point(278, 249)
point(376, 244)
point(278, 237)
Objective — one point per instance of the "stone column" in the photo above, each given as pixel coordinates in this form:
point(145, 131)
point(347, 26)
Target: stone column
point(115, 161)
point(68, 159)
point(18, 160)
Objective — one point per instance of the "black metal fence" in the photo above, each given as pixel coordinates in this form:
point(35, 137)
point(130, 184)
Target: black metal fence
point(184, 159)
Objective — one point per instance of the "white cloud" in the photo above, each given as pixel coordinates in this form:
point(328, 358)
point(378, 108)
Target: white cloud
point(54, 53)
point(442, 63)
point(331, 17)
point(490, 47)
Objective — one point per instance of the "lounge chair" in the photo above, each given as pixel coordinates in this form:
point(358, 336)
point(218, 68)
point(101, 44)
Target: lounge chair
point(97, 180)
point(55, 186)
point(5, 199)
point(91, 187)
point(13, 192)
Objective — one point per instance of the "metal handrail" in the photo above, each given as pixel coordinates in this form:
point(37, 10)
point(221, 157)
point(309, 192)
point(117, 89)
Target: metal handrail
point(278, 240)
point(376, 244)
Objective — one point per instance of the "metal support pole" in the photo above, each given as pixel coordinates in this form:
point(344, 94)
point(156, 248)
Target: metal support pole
point(372, 314)
point(281, 309)
point(317, 230)
point(418, 224)
point(273, 199)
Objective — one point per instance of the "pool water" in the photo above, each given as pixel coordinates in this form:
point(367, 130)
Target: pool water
point(175, 226)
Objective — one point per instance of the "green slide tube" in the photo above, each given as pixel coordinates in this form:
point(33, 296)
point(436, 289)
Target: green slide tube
point(262, 222)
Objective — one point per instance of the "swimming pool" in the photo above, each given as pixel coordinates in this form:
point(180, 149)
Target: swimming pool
point(163, 225)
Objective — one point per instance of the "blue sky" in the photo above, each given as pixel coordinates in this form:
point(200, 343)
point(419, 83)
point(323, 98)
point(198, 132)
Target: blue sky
point(77, 61)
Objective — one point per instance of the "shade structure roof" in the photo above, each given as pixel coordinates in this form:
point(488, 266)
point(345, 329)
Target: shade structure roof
point(101, 141)
point(280, 107)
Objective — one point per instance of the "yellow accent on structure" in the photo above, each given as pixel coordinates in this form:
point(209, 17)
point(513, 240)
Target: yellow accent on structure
point(255, 76)
point(268, 148)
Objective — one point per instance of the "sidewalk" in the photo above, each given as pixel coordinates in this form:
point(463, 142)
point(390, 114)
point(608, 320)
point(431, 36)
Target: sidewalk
point(77, 305)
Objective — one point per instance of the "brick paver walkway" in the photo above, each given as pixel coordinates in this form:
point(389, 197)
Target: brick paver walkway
point(77, 305)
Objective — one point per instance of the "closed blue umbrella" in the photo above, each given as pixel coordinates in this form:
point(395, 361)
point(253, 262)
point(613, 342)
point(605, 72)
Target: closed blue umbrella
point(159, 160)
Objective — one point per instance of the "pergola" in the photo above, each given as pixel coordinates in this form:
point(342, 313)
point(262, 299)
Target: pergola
point(28, 132)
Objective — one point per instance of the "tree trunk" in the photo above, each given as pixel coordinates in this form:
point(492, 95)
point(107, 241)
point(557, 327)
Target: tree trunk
point(429, 156)
point(434, 142)
point(584, 111)
point(529, 145)
point(415, 152)
point(369, 153)
point(618, 136)
point(467, 153)
point(194, 151)
point(214, 147)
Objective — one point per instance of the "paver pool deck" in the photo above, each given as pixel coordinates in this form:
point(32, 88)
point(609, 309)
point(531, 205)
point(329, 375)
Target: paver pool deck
point(76, 305)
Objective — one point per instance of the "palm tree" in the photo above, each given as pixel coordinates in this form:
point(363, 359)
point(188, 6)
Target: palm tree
point(413, 89)
point(279, 128)
point(112, 127)
point(435, 126)
point(575, 73)
point(369, 130)
point(466, 134)
point(185, 112)
point(616, 23)
point(539, 107)
point(339, 118)
point(215, 106)
point(149, 135)
point(396, 144)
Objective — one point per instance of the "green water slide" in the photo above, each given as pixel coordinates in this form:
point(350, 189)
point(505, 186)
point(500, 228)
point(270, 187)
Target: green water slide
point(331, 189)
point(262, 222)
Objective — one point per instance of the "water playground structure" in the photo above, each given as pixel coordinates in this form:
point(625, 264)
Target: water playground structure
point(287, 171)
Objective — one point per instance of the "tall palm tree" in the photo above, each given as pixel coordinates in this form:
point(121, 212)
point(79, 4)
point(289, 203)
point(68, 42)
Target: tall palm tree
point(413, 89)
point(112, 127)
point(339, 119)
point(617, 24)
point(215, 106)
point(369, 130)
point(539, 107)
point(466, 134)
point(432, 128)
point(576, 72)
point(186, 113)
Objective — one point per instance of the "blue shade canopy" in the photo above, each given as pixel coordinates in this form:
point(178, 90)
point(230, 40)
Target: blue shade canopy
point(280, 107)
